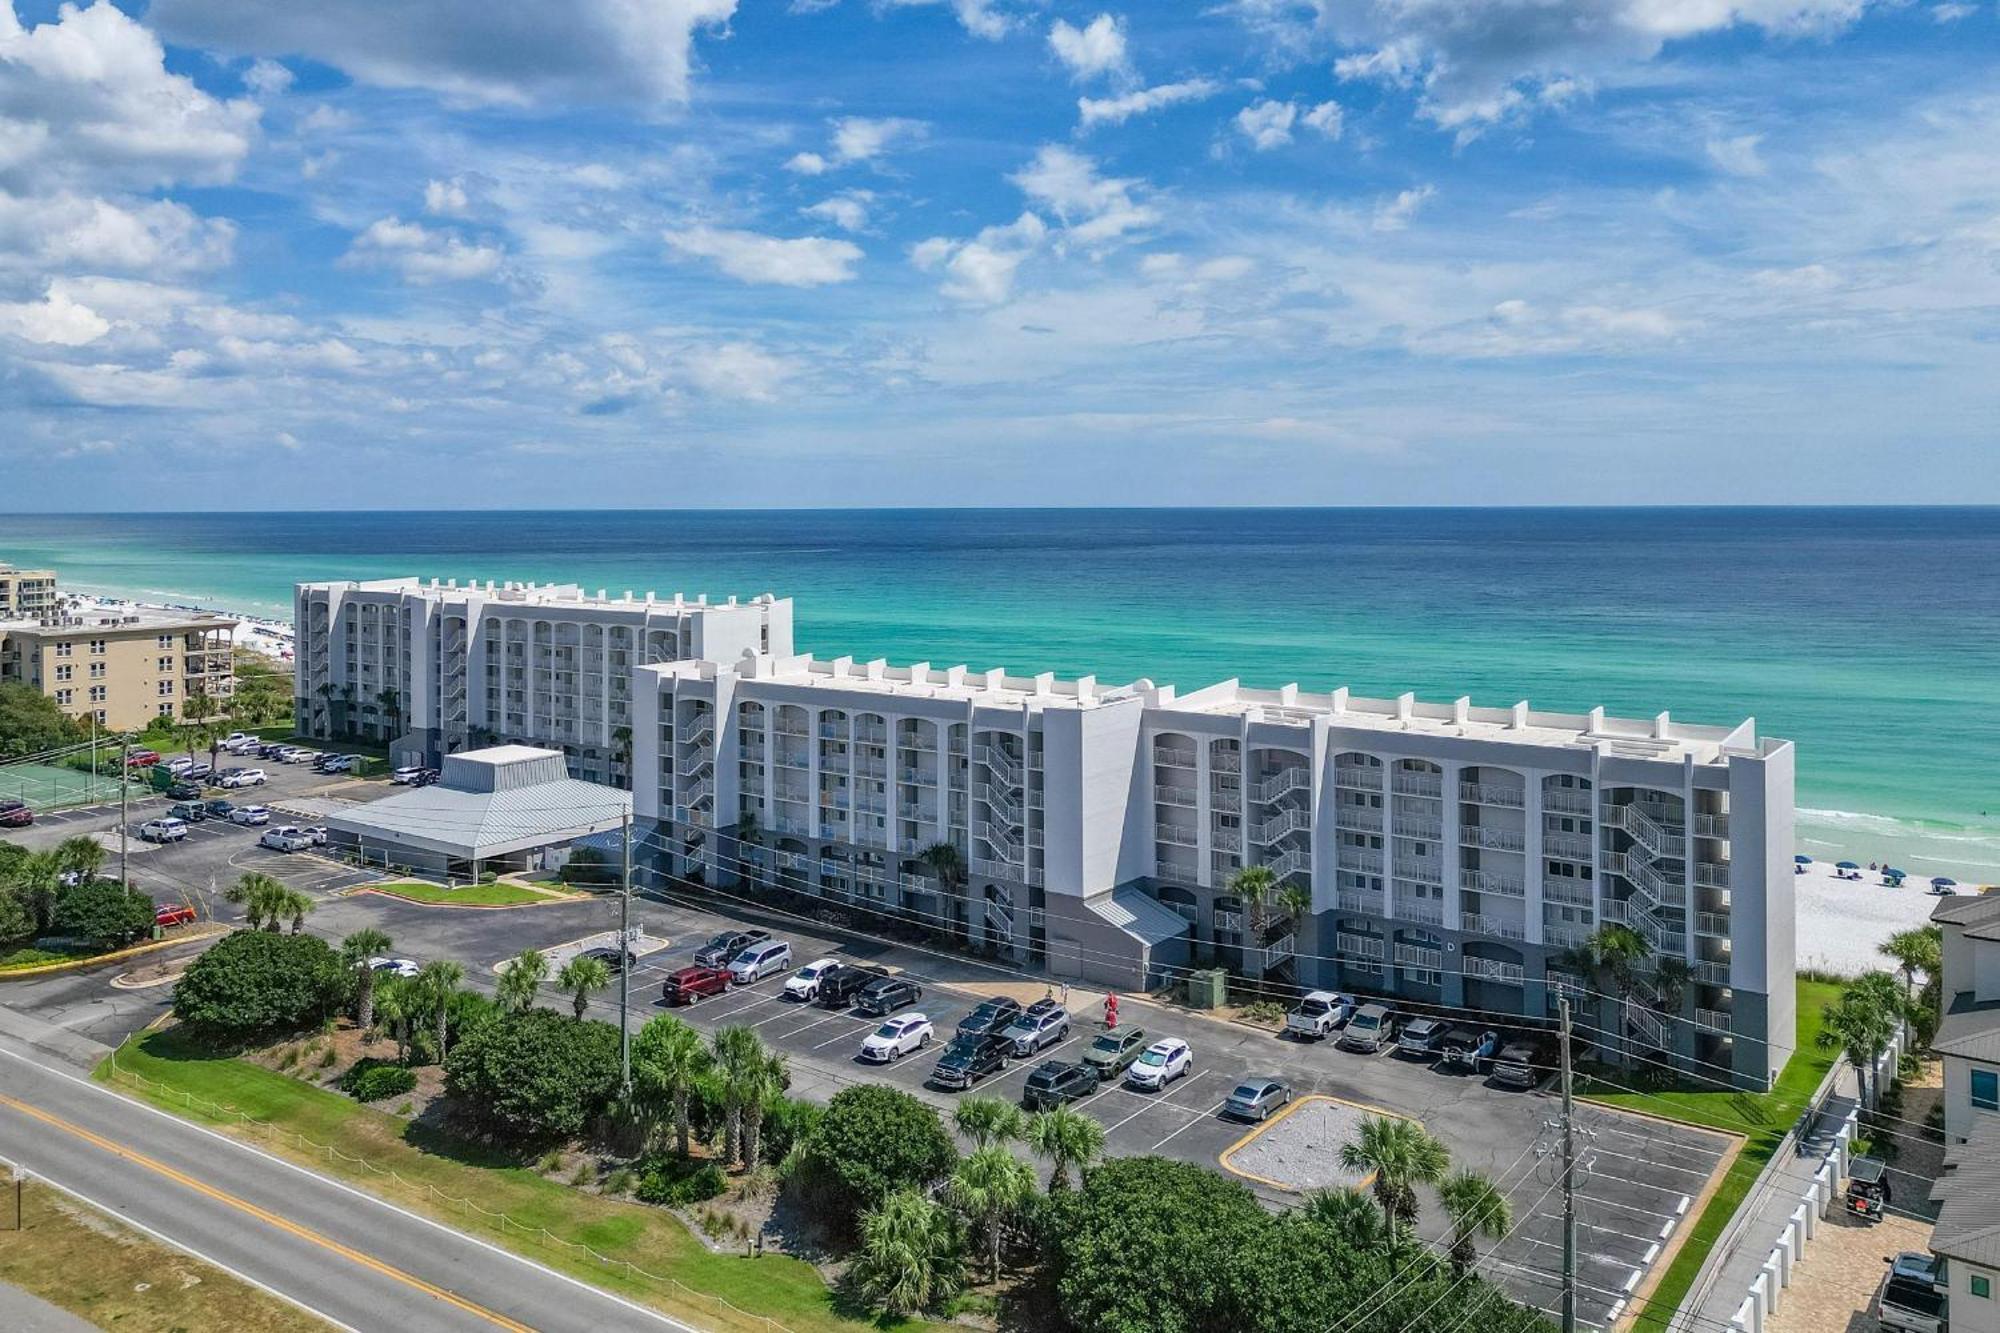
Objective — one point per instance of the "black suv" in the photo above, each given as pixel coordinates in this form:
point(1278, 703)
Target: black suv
point(1055, 1082)
point(721, 948)
point(1525, 1061)
point(839, 984)
point(991, 1017)
point(969, 1058)
point(885, 995)
point(613, 959)
point(218, 809)
point(183, 791)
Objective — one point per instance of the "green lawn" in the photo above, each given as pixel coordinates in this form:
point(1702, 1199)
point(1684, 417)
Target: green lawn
point(475, 895)
point(29, 956)
point(786, 1290)
point(1762, 1119)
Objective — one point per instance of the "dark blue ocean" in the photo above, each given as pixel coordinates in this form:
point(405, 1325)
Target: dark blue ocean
point(1869, 636)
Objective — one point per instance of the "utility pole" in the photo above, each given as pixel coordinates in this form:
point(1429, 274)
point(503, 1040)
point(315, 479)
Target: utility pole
point(625, 967)
point(1568, 1178)
point(124, 808)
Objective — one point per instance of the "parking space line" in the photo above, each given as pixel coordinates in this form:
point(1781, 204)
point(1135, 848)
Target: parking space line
point(851, 1033)
point(1205, 1115)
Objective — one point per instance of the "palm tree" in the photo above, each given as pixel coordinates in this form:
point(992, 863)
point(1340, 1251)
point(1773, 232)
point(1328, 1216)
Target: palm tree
point(1258, 888)
point(1862, 1023)
point(947, 865)
point(1402, 1155)
point(990, 1186)
point(1613, 955)
point(1917, 950)
point(436, 983)
point(396, 1004)
point(262, 898)
point(989, 1120)
point(522, 982)
point(766, 1082)
point(355, 951)
point(81, 856)
point(1350, 1216)
point(1672, 976)
point(909, 1253)
point(1476, 1208)
point(392, 704)
point(621, 748)
point(669, 1060)
point(583, 978)
point(744, 1064)
point(40, 879)
point(1067, 1138)
point(291, 905)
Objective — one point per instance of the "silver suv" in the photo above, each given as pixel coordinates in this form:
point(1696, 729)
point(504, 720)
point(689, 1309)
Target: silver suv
point(1044, 1023)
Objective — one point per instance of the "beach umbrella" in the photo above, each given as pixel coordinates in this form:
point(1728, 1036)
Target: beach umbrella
point(1848, 865)
point(1943, 879)
point(1802, 859)
point(1892, 872)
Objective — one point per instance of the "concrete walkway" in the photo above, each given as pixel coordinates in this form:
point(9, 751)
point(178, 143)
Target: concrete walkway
point(22, 1312)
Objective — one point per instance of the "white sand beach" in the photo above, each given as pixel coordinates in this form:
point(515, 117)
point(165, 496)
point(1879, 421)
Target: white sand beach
point(1841, 921)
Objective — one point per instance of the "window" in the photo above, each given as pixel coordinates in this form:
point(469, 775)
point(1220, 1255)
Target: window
point(64, 698)
point(1981, 1286)
point(166, 688)
point(1986, 1089)
point(97, 671)
point(165, 665)
point(97, 695)
point(64, 671)
point(166, 710)
point(101, 717)
point(97, 647)
point(64, 649)
point(164, 641)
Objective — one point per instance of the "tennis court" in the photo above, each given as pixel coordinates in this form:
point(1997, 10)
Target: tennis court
point(45, 787)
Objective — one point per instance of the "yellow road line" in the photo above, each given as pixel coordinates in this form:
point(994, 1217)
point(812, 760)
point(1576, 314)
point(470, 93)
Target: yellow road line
point(263, 1215)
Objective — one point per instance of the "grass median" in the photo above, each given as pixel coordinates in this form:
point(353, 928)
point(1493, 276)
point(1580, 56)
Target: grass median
point(1761, 1119)
point(788, 1291)
point(470, 895)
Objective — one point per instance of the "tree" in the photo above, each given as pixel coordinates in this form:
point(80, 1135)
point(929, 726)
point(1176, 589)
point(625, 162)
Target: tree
point(355, 951)
point(1613, 956)
point(1918, 950)
point(751, 1074)
point(947, 865)
point(17, 922)
point(1349, 1215)
point(990, 1187)
point(291, 905)
point(1862, 1023)
point(1067, 1138)
point(1476, 1208)
point(988, 1120)
point(437, 982)
point(31, 722)
point(583, 977)
point(40, 879)
point(252, 983)
point(396, 1005)
point(1402, 1155)
point(391, 700)
point(521, 983)
point(262, 898)
point(81, 856)
point(910, 1253)
point(102, 911)
point(874, 1140)
point(1258, 888)
point(669, 1060)
point(533, 1077)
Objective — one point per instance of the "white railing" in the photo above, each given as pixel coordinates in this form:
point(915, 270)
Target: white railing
point(1280, 783)
point(1357, 779)
point(1416, 955)
point(1175, 835)
point(1711, 826)
point(1359, 818)
point(1712, 1020)
point(701, 791)
point(1710, 973)
point(1225, 761)
point(1492, 793)
point(1417, 784)
point(1568, 846)
point(1648, 1026)
point(1564, 800)
point(1564, 935)
point(1173, 756)
point(787, 757)
point(1278, 950)
point(1226, 839)
point(1278, 825)
point(1511, 974)
point(870, 768)
point(1502, 840)
point(1002, 763)
point(995, 869)
point(1358, 946)
point(1004, 805)
point(1430, 830)
point(1474, 923)
point(1290, 863)
point(920, 777)
point(1361, 902)
point(1574, 895)
point(833, 731)
point(1715, 925)
point(1712, 874)
point(1420, 911)
point(1422, 872)
point(1001, 839)
point(998, 922)
point(1180, 869)
point(1176, 795)
point(1487, 881)
point(1648, 834)
point(1360, 858)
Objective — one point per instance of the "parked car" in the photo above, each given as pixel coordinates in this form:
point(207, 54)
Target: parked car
point(395, 967)
point(1370, 1029)
point(236, 738)
point(1525, 1061)
point(759, 961)
point(142, 758)
point(1469, 1049)
point(250, 815)
point(299, 754)
point(284, 840)
point(1113, 1052)
point(14, 813)
point(970, 1057)
point(803, 984)
point(218, 808)
point(183, 791)
point(720, 949)
point(403, 776)
point(1317, 1014)
point(172, 914)
point(425, 777)
point(191, 812)
point(163, 830)
point(1868, 1188)
point(245, 777)
point(199, 771)
point(1421, 1037)
point(1043, 1023)
point(614, 960)
point(1163, 1062)
point(1911, 1298)
point(317, 832)
point(884, 995)
point(333, 763)
point(691, 985)
point(896, 1038)
point(993, 1016)
point(1056, 1082)
point(1256, 1097)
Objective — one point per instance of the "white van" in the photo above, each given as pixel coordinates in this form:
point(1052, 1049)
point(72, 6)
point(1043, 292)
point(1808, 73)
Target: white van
point(162, 830)
point(759, 961)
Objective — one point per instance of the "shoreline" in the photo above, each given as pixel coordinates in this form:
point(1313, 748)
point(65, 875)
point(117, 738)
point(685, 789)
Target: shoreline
point(1924, 847)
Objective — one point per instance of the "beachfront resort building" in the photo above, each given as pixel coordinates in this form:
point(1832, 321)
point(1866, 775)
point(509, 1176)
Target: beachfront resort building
point(1968, 1035)
point(430, 669)
point(1437, 854)
point(123, 667)
point(26, 594)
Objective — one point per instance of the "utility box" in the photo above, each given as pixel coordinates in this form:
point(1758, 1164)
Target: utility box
point(1208, 988)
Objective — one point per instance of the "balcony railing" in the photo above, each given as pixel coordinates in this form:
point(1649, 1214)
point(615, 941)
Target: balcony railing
point(1357, 779)
point(1490, 969)
point(1350, 945)
point(1173, 756)
point(1360, 902)
point(1568, 847)
point(1567, 801)
point(1417, 784)
point(1711, 826)
point(1474, 923)
point(1565, 934)
point(1710, 973)
point(1186, 796)
point(1712, 874)
point(1358, 818)
point(1226, 839)
point(1225, 761)
point(1420, 911)
point(1427, 830)
point(1417, 956)
point(1712, 1020)
point(1499, 839)
point(1419, 870)
point(1715, 925)
point(1176, 835)
point(1569, 893)
point(1487, 881)
point(1360, 858)
point(1492, 793)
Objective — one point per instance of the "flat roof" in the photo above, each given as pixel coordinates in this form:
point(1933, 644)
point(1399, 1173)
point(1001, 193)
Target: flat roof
point(553, 595)
point(475, 824)
point(129, 619)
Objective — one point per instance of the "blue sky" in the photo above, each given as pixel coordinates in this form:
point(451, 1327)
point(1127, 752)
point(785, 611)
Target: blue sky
point(727, 252)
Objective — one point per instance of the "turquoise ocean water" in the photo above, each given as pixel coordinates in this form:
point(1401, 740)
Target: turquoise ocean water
point(1869, 636)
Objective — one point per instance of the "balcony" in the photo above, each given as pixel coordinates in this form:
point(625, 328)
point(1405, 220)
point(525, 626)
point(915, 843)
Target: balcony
point(1713, 925)
point(1564, 800)
point(1568, 893)
point(1712, 826)
point(1498, 839)
point(1349, 945)
point(1419, 957)
point(1419, 871)
point(1710, 972)
point(1488, 969)
point(1357, 779)
point(1363, 859)
point(1420, 911)
point(1183, 796)
point(1492, 793)
point(1417, 784)
point(1225, 761)
point(833, 731)
point(1712, 874)
point(1173, 756)
point(1712, 1020)
point(1487, 881)
point(1473, 923)
point(1358, 817)
point(919, 777)
point(1175, 835)
point(1565, 934)
point(1568, 847)
point(1425, 830)
point(1350, 901)
point(1226, 839)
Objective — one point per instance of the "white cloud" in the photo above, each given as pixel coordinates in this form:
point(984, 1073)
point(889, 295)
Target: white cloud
point(1094, 209)
point(1327, 118)
point(1267, 124)
point(807, 261)
point(597, 176)
point(981, 18)
point(69, 230)
point(1091, 51)
point(981, 270)
point(587, 50)
point(737, 370)
point(1396, 214)
point(1737, 155)
point(863, 139)
point(446, 198)
point(54, 319)
point(424, 256)
point(267, 78)
point(1121, 108)
point(808, 164)
point(1952, 12)
point(847, 211)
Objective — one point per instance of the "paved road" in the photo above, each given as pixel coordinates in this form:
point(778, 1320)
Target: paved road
point(352, 1259)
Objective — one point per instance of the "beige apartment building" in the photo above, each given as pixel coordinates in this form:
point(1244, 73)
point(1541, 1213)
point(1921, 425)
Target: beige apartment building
point(123, 667)
point(26, 594)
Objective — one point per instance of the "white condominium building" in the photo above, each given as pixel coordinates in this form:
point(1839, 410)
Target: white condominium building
point(1434, 853)
point(433, 668)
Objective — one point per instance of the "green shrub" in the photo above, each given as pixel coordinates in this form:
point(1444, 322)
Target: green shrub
point(1264, 1011)
point(620, 1181)
point(103, 911)
point(489, 877)
point(672, 1182)
point(585, 1173)
point(376, 1080)
point(533, 1077)
point(255, 983)
point(787, 1122)
point(872, 1141)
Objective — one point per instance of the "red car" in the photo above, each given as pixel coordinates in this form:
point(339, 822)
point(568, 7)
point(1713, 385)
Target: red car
point(692, 983)
point(173, 914)
point(15, 814)
point(142, 759)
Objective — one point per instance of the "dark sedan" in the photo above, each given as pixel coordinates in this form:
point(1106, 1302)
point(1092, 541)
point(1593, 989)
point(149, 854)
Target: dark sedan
point(721, 948)
point(839, 986)
point(1055, 1082)
point(970, 1058)
point(992, 1016)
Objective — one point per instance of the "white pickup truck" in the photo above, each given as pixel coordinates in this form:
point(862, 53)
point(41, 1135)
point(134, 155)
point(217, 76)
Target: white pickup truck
point(1318, 1014)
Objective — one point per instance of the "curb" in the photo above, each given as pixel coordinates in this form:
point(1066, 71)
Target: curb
point(1298, 1103)
point(462, 907)
point(78, 964)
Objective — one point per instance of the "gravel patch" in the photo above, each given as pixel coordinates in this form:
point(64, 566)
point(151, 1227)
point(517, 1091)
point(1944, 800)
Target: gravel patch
point(1302, 1150)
